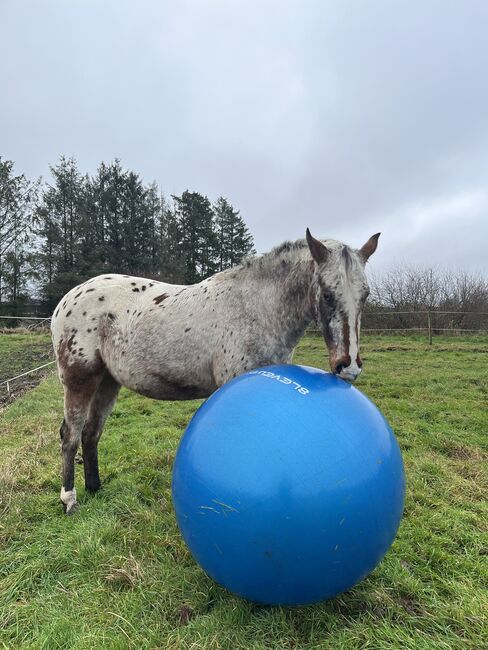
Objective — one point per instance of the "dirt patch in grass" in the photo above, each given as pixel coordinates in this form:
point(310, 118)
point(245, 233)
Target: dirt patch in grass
point(458, 451)
point(19, 354)
point(391, 348)
point(411, 606)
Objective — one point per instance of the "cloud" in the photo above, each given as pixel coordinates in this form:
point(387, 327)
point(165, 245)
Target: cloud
point(346, 117)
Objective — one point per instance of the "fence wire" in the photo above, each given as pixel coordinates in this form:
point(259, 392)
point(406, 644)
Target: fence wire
point(430, 321)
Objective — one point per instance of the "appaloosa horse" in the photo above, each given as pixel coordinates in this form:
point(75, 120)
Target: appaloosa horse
point(182, 342)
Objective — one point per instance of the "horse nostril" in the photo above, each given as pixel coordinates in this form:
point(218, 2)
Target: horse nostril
point(339, 368)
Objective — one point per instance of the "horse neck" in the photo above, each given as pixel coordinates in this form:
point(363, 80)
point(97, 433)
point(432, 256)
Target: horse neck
point(286, 290)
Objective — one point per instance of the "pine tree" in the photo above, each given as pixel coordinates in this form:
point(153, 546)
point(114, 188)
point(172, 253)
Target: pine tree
point(134, 246)
point(171, 264)
point(58, 226)
point(234, 239)
point(116, 216)
point(91, 246)
point(17, 200)
point(111, 222)
point(150, 232)
point(198, 237)
point(48, 255)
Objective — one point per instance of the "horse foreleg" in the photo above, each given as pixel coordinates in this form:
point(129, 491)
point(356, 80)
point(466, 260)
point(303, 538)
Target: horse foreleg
point(100, 408)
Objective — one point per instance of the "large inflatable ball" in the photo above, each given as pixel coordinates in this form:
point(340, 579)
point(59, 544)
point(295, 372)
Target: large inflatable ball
point(288, 485)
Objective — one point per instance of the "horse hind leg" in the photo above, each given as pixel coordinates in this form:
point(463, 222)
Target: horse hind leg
point(100, 408)
point(77, 399)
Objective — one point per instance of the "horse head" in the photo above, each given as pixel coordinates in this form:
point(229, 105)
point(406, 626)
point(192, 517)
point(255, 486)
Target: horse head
point(340, 289)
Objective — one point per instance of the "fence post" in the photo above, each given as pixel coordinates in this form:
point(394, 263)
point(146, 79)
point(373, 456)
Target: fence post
point(429, 325)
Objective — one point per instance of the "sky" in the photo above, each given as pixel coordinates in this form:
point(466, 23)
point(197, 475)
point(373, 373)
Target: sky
point(349, 117)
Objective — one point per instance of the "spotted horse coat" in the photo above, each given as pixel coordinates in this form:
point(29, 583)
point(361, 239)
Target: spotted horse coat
point(182, 342)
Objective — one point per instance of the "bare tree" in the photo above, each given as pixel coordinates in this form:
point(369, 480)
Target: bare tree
point(410, 288)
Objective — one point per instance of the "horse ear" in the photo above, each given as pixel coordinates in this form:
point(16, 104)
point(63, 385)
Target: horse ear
point(369, 247)
point(318, 250)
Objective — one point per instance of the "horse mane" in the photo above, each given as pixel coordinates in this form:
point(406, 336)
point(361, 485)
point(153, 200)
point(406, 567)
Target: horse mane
point(290, 251)
point(281, 252)
point(288, 246)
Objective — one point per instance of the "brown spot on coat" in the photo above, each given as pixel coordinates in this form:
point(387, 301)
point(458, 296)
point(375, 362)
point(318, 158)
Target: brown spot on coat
point(79, 376)
point(346, 334)
point(159, 299)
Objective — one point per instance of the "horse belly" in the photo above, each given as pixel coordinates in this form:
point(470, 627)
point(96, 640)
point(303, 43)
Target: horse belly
point(156, 381)
point(159, 387)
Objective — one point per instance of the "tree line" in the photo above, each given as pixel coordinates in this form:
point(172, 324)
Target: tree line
point(456, 299)
point(56, 234)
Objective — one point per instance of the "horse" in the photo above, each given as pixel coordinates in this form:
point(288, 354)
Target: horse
point(179, 342)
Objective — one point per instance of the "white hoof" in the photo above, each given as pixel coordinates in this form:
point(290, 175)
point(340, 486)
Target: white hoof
point(68, 498)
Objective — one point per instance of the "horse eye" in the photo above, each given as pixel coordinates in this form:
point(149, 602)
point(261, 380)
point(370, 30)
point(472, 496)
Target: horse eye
point(327, 296)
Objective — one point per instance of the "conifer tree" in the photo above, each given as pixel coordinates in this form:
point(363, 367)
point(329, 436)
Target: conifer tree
point(198, 237)
point(109, 222)
point(171, 263)
point(58, 219)
point(17, 200)
point(234, 239)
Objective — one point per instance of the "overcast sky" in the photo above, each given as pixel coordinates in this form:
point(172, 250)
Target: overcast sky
point(347, 117)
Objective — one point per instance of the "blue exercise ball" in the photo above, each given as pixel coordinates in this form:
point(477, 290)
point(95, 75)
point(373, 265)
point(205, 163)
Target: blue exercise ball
point(288, 485)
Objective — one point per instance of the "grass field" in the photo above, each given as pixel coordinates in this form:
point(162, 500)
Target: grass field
point(20, 352)
point(117, 574)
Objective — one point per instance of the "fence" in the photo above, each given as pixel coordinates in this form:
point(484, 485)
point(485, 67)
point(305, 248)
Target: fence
point(432, 322)
point(22, 309)
point(13, 383)
point(28, 322)
point(379, 322)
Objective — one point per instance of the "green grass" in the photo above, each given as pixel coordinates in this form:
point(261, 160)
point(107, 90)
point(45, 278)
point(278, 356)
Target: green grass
point(19, 352)
point(117, 574)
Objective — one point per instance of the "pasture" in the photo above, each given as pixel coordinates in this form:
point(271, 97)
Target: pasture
point(22, 350)
point(117, 574)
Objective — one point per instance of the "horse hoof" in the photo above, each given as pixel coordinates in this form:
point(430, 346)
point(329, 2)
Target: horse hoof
point(71, 509)
point(68, 499)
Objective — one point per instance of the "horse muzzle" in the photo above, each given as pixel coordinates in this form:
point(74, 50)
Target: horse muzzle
point(345, 369)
